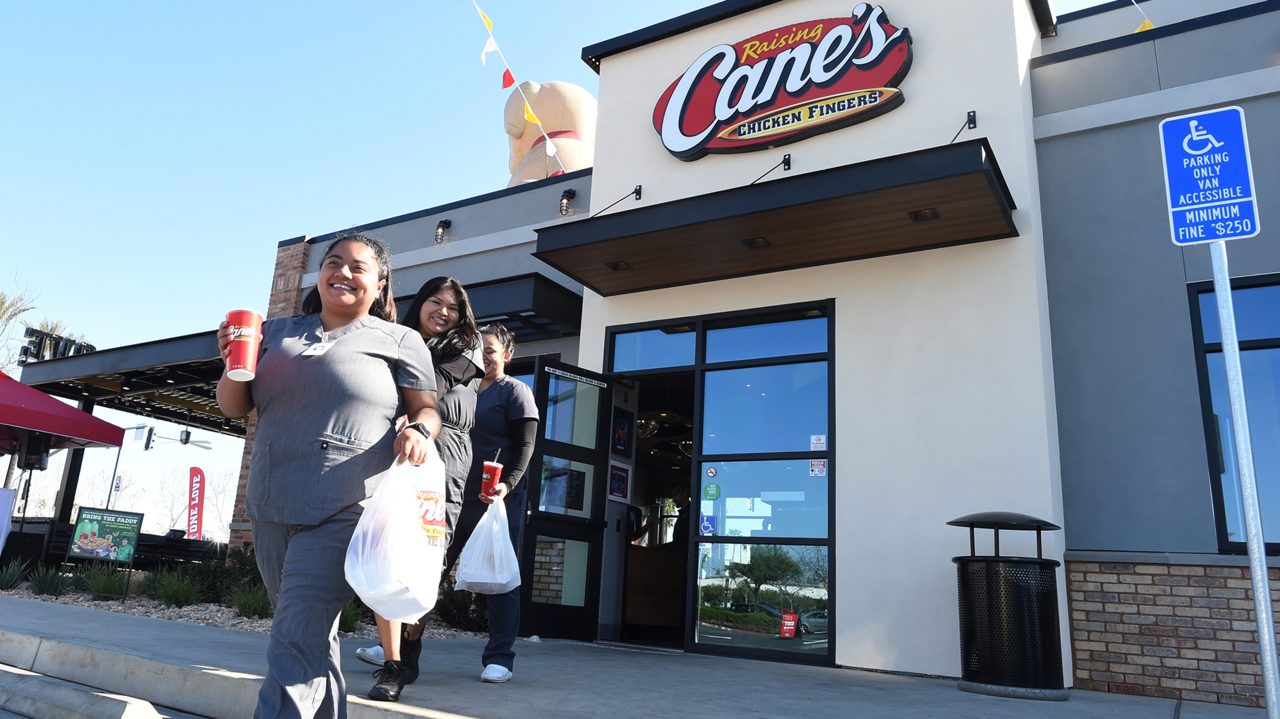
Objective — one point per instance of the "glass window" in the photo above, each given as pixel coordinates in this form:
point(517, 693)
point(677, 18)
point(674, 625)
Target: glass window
point(526, 378)
point(572, 407)
point(1261, 369)
point(765, 409)
point(777, 339)
point(560, 572)
point(1257, 311)
point(567, 487)
point(782, 498)
point(650, 349)
point(745, 590)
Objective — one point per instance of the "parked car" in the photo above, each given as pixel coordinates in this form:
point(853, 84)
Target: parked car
point(744, 608)
point(813, 622)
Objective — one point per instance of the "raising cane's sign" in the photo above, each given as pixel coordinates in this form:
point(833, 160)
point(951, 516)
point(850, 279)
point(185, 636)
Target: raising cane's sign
point(785, 85)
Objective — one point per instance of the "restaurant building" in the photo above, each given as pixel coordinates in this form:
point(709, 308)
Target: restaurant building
point(844, 272)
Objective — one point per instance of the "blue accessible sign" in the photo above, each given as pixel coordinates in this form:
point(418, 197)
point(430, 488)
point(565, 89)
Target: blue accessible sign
point(1208, 176)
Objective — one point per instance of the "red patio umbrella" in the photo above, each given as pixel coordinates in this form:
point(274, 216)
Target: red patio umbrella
point(23, 407)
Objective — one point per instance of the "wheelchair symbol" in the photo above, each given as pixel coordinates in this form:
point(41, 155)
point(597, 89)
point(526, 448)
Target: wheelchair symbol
point(707, 525)
point(1199, 135)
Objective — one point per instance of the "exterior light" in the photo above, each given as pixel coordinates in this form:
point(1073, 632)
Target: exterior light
point(618, 266)
point(755, 243)
point(441, 226)
point(929, 213)
point(565, 197)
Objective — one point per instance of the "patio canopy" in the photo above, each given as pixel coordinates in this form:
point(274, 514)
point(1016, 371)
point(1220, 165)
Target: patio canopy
point(22, 407)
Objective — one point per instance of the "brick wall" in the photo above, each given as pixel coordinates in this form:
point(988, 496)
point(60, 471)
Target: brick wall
point(285, 301)
point(548, 571)
point(1166, 630)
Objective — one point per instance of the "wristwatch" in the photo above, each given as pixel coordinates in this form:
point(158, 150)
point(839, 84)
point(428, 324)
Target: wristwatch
point(421, 428)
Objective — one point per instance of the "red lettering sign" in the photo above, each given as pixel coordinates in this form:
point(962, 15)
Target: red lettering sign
point(786, 85)
point(195, 505)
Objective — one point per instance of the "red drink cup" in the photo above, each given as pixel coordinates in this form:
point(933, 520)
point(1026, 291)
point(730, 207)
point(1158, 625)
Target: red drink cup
point(489, 480)
point(245, 326)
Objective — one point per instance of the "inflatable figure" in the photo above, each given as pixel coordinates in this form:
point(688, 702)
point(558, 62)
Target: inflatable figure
point(567, 113)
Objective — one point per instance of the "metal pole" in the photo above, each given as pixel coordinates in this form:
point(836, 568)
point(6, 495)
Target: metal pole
point(111, 481)
point(1248, 484)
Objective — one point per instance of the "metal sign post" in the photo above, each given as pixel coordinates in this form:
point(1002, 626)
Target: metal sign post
point(1209, 185)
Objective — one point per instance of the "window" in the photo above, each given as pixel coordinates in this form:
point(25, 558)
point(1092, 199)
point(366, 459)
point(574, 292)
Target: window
point(763, 465)
point(1257, 310)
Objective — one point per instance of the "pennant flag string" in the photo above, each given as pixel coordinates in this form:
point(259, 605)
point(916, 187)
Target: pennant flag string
point(508, 79)
point(1146, 21)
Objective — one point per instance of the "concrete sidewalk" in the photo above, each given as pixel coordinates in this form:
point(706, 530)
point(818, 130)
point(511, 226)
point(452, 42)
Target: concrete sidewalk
point(214, 672)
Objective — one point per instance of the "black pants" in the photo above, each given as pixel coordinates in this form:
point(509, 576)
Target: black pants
point(504, 609)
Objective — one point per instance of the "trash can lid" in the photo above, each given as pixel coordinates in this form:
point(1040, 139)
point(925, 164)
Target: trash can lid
point(1003, 520)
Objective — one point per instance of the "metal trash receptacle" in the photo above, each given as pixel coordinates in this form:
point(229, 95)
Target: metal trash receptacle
point(1010, 641)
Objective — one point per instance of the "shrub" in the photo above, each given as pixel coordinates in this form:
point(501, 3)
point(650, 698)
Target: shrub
point(759, 623)
point(100, 580)
point(176, 589)
point(352, 612)
point(462, 610)
point(12, 575)
point(252, 602)
point(142, 584)
point(49, 581)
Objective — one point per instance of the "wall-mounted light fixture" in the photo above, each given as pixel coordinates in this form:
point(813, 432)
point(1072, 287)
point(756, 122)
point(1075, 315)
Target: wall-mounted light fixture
point(755, 243)
point(928, 213)
point(618, 266)
point(565, 198)
point(441, 226)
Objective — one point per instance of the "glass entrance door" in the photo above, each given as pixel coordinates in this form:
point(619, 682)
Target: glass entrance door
point(560, 562)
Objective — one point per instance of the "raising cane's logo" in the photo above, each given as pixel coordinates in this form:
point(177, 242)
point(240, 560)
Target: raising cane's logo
point(786, 85)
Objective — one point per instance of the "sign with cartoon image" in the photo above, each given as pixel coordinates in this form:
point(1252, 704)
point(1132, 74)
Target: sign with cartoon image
point(105, 534)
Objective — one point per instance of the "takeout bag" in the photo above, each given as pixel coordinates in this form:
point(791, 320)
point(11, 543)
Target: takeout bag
point(397, 552)
point(488, 564)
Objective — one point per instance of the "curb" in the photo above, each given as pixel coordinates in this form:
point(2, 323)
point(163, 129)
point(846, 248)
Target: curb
point(203, 690)
point(30, 695)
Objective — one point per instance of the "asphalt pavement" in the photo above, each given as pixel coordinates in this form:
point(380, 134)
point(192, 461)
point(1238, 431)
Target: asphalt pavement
point(214, 673)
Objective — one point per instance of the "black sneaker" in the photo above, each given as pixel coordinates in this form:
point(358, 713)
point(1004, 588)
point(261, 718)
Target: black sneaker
point(410, 650)
point(390, 681)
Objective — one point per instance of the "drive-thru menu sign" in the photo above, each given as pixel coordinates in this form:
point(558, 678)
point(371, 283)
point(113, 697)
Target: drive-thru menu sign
point(1208, 177)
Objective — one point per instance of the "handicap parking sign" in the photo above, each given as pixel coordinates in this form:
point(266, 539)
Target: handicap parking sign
point(1208, 177)
point(707, 524)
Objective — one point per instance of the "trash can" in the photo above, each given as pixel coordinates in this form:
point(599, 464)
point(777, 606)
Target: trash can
point(1010, 644)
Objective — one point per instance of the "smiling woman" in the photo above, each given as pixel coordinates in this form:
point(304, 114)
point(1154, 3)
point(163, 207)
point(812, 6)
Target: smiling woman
point(329, 386)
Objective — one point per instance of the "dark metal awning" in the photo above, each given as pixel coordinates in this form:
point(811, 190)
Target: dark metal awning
point(532, 306)
point(939, 197)
point(172, 379)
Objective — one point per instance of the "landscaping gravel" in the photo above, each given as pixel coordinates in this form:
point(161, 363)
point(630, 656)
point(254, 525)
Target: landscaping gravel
point(216, 615)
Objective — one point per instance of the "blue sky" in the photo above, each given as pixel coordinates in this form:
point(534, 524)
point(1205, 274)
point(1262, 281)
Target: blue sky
point(155, 153)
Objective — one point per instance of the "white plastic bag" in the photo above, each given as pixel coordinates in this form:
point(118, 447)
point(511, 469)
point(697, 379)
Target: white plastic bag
point(488, 564)
point(397, 552)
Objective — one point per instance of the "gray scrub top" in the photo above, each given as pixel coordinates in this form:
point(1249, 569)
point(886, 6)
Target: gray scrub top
point(505, 400)
point(325, 429)
point(457, 379)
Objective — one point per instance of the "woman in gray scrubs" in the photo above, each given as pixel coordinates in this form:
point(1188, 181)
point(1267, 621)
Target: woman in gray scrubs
point(506, 427)
point(441, 314)
point(329, 386)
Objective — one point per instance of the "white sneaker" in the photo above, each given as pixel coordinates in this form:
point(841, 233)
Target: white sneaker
point(495, 674)
point(370, 655)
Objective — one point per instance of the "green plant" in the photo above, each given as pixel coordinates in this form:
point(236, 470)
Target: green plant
point(758, 623)
point(352, 612)
point(49, 581)
point(252, 602)
point(101, 580)
point(12, 575)
point(176, 589)
point(462, 610)
point(142, 584)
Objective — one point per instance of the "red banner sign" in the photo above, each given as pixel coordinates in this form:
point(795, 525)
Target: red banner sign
point(786, 85)
point(195, 505)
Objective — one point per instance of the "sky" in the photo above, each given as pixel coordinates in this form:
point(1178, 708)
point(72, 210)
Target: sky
point(155, 153)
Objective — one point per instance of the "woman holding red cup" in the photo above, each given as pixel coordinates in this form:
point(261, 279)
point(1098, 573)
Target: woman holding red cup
point(328, 387)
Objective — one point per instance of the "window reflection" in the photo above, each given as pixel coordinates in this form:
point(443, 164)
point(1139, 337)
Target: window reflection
point(650, 349)
point(777, 339)
point(1261, 369)
point(765, 409)
point(783, 498)
point(567, 487)
point(571, 412)
point(559, 572)
point(1257, 311)
point(745, 590)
